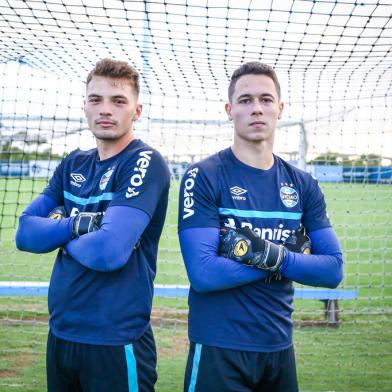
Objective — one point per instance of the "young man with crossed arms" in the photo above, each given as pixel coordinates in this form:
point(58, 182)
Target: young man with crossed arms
point(242, 219)
point(104, 209)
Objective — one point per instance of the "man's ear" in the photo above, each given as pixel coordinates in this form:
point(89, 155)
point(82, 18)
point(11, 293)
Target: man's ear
point(228, 110)
point(138, 112)
point(281, 107)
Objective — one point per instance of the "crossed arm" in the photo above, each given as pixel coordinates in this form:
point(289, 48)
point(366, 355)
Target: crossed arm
point(209, 272)
point(106, 249)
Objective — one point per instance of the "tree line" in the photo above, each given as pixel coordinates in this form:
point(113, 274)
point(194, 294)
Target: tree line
point(335, 159)
point(14, 153)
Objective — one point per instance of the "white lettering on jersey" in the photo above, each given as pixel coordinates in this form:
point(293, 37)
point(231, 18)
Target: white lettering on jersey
point(141, 169)
point(266, 233)
point(188, 194)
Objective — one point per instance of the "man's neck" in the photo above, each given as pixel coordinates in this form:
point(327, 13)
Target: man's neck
point(110, 148)
point(257, 155)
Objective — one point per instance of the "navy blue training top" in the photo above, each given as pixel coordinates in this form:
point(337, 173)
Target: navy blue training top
point(221, 190)
point(113, 307)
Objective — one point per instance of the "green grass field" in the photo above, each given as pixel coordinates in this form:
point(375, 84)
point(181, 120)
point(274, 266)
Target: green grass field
point(354, 357)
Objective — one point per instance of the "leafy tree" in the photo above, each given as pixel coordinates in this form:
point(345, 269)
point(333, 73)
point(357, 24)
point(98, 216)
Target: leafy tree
point(13, 153)
point(330, 158)
point(370, 160)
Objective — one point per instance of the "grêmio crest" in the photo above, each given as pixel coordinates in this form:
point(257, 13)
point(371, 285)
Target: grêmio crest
point(105, 178)
point(288, 195)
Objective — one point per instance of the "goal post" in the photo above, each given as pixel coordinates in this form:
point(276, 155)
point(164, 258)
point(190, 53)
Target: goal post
point(333, 60)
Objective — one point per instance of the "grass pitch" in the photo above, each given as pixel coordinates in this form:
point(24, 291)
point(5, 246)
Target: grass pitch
point(354, 357)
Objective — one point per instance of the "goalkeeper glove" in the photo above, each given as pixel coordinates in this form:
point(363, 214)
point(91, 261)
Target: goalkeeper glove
point(57, 213)
point(246, 247)
point(298, 242)
point(86, 222)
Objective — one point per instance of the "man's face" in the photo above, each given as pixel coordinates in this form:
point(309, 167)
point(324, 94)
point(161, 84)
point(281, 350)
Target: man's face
point(111, 107)
point(255, 108)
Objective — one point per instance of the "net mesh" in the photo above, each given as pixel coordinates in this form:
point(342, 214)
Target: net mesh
point(333, 59)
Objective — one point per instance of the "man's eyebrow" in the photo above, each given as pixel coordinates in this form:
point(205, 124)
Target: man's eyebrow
point(244, 96)
point(247, 95)
point(119, 96)
point(93, 95)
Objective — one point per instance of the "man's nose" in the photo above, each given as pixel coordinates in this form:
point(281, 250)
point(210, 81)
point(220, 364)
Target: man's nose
point(105, 109)
point(257, 107)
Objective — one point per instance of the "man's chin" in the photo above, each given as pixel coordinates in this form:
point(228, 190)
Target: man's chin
point(255, 137)
point(105, 135)
point(113, 135)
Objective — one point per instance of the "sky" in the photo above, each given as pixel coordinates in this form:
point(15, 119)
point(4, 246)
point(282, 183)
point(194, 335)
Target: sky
point(333, 60)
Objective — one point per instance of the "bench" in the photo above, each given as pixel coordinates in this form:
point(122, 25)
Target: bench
point(330, 297)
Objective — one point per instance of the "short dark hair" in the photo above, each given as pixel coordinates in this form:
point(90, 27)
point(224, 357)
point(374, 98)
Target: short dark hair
point(115, 69)
point(253, 68)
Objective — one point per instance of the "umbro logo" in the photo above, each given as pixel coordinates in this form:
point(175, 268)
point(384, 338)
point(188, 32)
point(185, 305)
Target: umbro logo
point(236, 190)
point(76, 179)
point(236, 193)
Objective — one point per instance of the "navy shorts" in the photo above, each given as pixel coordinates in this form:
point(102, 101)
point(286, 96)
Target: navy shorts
point(74, 367)
point(212, 369)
